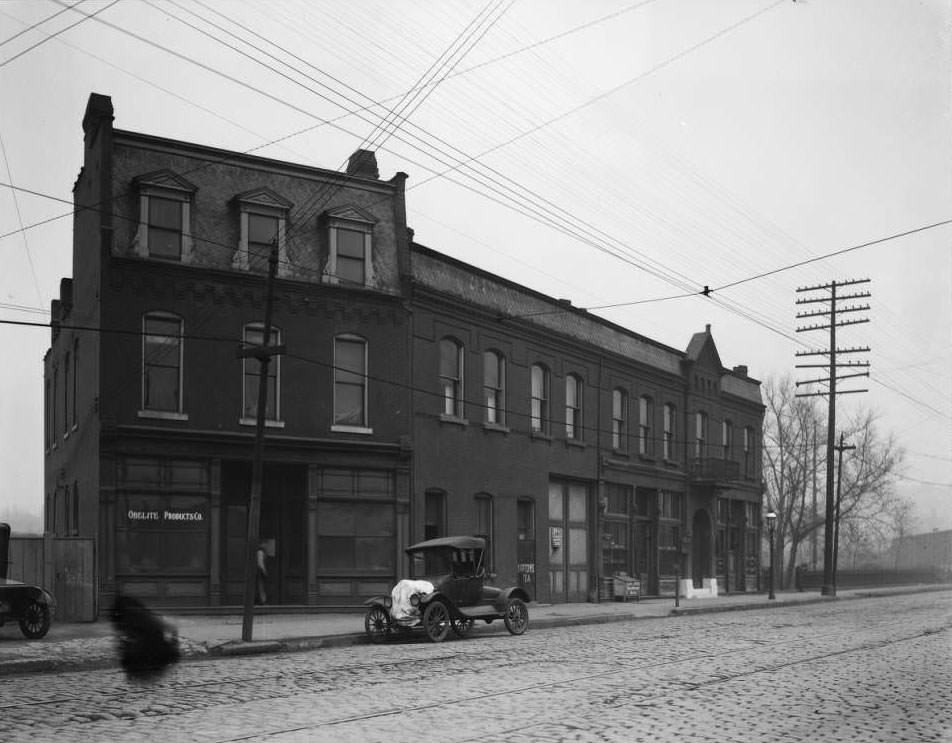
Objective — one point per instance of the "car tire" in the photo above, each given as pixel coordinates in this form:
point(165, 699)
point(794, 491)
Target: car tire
point(436, 621)
point(377, 624)
point(462, 626)
point(516, 616)
point(35, 622)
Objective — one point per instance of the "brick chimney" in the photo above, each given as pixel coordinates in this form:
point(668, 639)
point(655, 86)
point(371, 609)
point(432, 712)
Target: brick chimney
point(363, 164)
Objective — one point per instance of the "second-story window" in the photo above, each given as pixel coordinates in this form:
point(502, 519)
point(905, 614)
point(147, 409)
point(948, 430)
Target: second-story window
point(645, 413)
point(350, 381)
point(727, 439)
point(162, 363)
point(573, 407)
point(539, 420)
point(670, 424)
point(700, 434)
point(451, 377)
point(749, 470)
point(494, 387)
point(251, 373)
point(619, 419)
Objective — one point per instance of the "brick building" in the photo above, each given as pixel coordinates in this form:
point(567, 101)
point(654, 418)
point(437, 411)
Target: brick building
point(419, 396)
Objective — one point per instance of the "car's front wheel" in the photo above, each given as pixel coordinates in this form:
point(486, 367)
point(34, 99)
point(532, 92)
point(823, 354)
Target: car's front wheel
point(436, 621)
point(377, 624)
point(35, 622)
point(516, 617)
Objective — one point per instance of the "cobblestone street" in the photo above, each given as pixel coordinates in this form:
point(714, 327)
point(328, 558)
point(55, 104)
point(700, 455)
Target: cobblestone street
point(864, 670)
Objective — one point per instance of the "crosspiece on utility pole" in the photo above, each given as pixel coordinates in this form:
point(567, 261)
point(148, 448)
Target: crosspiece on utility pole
point(829, 565)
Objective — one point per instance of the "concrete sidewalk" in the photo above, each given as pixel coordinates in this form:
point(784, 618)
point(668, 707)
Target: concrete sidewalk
point(90, 645)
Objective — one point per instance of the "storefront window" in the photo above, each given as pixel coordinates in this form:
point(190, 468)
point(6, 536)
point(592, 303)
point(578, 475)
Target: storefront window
point(355, 533)
point(162, 534)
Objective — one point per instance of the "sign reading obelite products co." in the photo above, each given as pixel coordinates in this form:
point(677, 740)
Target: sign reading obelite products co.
point(164, 516)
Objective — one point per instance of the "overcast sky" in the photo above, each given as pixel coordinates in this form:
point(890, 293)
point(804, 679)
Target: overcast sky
point(605, 152)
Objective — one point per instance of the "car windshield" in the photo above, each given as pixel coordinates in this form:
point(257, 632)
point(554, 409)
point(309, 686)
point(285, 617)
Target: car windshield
point(431, 564)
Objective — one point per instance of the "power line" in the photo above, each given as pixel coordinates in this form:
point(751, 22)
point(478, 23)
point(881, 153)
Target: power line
point(62, 30)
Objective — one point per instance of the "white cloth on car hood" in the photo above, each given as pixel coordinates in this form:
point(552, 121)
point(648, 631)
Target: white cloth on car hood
point(402, 609)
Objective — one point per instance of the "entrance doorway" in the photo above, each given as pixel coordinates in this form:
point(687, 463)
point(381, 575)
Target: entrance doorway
point(282, 529)
point(568, 542)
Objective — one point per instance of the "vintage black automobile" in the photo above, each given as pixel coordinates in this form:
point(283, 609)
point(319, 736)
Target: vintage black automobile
point(29, 605)
point(453, 568)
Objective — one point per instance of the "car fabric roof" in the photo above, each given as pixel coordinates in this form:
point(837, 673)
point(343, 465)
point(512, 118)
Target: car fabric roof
point(460, 543)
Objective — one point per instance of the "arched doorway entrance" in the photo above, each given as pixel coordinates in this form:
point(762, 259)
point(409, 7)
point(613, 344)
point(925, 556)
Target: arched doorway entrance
point(701, 560)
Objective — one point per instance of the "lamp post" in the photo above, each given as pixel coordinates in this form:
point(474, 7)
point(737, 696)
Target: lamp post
point(771, 524)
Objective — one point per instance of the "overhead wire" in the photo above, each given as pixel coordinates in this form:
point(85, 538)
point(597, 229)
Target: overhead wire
point(30, 48)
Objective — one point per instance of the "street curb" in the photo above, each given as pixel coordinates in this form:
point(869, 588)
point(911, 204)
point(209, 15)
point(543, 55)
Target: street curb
point(238, 648)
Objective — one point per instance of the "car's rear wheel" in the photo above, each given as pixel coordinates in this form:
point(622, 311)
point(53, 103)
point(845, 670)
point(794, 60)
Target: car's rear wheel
point(516, 617)
point(35, 622)
point(377, 624)
point(436, 621)
point(462, 627)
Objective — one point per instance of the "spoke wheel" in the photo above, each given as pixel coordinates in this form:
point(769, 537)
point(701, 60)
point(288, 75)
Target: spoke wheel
point(35, 622)
point(517, 616)
point(436, 621)
point(377, 624)
point(462, 627)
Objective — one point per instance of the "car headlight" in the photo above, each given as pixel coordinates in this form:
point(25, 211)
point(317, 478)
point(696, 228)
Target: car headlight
point(415, 600)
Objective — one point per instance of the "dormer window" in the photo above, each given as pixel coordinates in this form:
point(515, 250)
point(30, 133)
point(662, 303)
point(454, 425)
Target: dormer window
point(350, 252)
point(262, 218)
point(164, 217)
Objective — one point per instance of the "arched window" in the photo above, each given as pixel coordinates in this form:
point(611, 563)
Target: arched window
point(700, 434)
point(670, 430)
point(162, 363)
point(494, 387)
point(350, 381)
point(484, 526)
point(727, 439)
point(619, 419)
point(573, 407)
point(539, 420)
point(451, 376)
point(645, 414)
point(254, 336)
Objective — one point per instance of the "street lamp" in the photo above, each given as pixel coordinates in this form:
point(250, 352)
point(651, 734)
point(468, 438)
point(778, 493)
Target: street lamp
point(771, 524)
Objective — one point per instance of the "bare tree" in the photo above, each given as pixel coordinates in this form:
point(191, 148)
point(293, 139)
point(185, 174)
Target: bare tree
point(870, 510)
point(789, 425)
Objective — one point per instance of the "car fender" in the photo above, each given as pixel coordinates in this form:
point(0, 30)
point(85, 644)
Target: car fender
point(429, 598)
point(513, 592)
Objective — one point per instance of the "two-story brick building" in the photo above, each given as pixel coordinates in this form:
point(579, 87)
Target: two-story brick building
point(418, 396)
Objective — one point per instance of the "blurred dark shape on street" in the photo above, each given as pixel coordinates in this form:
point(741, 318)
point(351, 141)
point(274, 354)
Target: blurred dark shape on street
point(148, 644)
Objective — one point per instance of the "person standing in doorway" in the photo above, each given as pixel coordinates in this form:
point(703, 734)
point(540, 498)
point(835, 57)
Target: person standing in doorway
point(261, 597)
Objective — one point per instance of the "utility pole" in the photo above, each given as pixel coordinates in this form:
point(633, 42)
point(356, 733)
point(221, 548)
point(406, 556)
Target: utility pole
point(263, 354)
point(815, 528)
point(832, 323)
point(840, 448)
